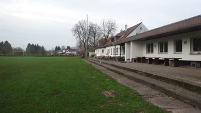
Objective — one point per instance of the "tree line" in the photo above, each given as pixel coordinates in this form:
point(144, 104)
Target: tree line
point(5, 48)
point(35, 49)
point(90, 35)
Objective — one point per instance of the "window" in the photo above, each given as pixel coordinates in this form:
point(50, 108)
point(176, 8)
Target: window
point(197, 44)
point(113, 51)
point(102, 51)
point(149, 48)
point(178, 46)
point(163, 47)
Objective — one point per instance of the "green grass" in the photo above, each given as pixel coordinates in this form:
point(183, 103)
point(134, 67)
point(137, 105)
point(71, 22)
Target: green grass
point(63, 85)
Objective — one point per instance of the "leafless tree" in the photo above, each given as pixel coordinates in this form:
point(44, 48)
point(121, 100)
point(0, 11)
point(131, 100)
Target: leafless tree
point(95, 32)
point(79, 31)
point(94, 35)
point(108, 28)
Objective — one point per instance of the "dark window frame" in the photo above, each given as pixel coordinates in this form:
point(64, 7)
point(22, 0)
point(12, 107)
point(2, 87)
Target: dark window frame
point(163, 47)
point(178, 46)
point(196, 44)
point(149, 48)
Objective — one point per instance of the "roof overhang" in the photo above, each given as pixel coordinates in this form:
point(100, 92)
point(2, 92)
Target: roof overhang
point(181, 27)
point(172, 33)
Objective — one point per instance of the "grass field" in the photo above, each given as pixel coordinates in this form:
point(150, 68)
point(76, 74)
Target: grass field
point(63, 85)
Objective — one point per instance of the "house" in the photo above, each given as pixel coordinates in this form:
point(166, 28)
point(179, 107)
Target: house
point(113, 50)
point(177, 40)
point(67, 52)
point(70, 52)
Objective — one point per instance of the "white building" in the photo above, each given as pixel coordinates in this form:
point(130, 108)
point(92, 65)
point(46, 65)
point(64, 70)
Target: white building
point(111, 50)
point(180, 40)
point(177, 40)
point(100, 52)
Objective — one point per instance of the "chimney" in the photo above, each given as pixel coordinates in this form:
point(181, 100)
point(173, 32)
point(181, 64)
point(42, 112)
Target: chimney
point(126, 27)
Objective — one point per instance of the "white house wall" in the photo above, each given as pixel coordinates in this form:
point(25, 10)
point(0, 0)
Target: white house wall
point(127, 50)
point(138, 30)
point(111, 51)
point(186, 49)
point(137, 49)
point(100, 52)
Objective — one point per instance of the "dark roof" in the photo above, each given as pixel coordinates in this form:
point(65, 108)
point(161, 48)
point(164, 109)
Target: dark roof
point(120, 34)
point(129, 30)
point(123, 34)
point(99, 47)
point(184, 26)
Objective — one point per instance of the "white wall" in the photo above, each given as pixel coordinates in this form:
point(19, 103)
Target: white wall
point(111, 52)
point(127, 50)
point(91, 53)
point(186, 52)
point(138, 31)
point(137, 50)
point(98, 52)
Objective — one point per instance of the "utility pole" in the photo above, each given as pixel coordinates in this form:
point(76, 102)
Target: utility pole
point(86, 52)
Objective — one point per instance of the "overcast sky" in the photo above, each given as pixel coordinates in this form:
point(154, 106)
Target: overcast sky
point(49, 22)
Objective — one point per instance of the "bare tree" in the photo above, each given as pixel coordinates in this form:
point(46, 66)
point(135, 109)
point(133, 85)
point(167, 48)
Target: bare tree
point(94, 35)
point(108, 28)
point(79, 31)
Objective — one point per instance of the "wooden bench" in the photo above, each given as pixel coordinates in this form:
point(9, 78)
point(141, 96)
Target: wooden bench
point(156, 60)
point(143, 59)
point(176, 61)
point(134, 60)
point(139, 59)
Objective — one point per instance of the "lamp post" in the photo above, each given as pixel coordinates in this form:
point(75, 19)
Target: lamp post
point(86, 53)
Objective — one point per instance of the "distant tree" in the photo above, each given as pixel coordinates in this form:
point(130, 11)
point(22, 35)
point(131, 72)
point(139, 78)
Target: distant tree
point(18, 51)
point(1, 47)
point(68, 47)
point(57, 48)
point(37, 49)
point(28, 49)
point(7, 49)
point(33, 49)
point(63, 47)
point(42, 51)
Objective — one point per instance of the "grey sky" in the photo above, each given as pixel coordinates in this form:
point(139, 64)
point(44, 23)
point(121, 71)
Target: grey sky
point(49, 22)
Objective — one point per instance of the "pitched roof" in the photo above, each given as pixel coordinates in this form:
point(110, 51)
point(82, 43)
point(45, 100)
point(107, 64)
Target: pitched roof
point(129, 30)
point(120, 34)
point(123, 34)
point(184, 26)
